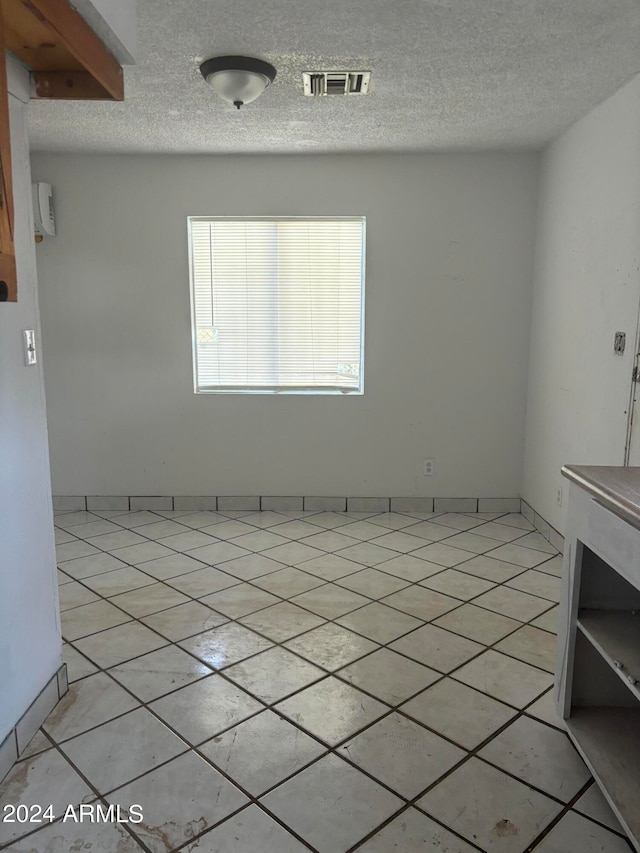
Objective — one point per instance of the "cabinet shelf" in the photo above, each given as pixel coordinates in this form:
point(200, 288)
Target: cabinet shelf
point(609, 741)
point(616, 636)
point(598, 677)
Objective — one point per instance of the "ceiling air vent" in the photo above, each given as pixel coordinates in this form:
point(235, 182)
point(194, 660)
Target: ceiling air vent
point(336, 82)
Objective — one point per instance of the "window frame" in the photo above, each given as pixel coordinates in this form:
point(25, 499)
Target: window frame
point(277, 391)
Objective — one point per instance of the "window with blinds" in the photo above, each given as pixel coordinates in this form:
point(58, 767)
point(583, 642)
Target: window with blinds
point(277, 304)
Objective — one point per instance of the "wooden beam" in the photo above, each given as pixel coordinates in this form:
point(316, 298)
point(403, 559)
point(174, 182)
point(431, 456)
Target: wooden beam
point(67, 86)
point(8, 277)
point(33, 42)
point(69, 30)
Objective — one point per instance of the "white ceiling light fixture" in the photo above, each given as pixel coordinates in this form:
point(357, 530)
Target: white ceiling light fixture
point(239, 80)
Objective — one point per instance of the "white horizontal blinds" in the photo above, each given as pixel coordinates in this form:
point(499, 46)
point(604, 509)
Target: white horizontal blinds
point(319, 298)
point(235, 296)
point(278, 303)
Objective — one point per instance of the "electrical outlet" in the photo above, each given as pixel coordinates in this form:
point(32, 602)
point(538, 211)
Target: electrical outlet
point(429, 468)
point(559, 497)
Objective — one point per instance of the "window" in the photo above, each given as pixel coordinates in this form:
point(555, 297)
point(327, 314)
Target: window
point(277, 304)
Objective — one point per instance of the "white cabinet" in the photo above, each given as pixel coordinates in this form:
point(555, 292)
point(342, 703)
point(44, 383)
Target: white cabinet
point(598, 673)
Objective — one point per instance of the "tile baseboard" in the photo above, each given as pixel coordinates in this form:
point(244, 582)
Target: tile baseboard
point(289, 503)
point(21, 734)
point(542, 526)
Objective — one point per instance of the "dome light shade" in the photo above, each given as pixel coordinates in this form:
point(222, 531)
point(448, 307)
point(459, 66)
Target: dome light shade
point(239, 80)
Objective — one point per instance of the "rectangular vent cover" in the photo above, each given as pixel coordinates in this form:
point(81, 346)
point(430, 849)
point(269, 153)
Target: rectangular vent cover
point(318, 83)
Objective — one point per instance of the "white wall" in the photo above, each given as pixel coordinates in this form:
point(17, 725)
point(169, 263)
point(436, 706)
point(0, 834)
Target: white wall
point(116, 24)
point(449, 267)
point(30, 645)
point(587, 287)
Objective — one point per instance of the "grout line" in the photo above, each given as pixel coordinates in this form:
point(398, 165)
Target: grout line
point(326, 675)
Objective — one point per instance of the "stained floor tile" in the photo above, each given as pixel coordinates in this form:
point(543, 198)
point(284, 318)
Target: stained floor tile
point(262, 751)
point(331, 710)
point(205, 798)
point(89, 703)
point(250, 830)
point(202, 710)
point(61, 837)
point(46, 778)
point(540, 756)
point(490, 808)
point(273, 674)
point(196, 709)
point(124, 748)
point(159, 672)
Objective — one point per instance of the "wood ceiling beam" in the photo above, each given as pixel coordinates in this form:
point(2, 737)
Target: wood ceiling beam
point(52, 38)
point(68, 61)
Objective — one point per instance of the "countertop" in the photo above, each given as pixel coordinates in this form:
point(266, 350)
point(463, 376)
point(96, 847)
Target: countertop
point(614, 486)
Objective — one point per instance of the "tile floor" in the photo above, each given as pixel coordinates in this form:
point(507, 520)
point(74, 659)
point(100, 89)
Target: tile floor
point(281, 682)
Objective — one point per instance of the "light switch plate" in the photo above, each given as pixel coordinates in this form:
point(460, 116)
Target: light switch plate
point(30, 354)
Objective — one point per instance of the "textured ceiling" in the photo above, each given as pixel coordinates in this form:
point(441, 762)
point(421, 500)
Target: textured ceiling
point(446, 75)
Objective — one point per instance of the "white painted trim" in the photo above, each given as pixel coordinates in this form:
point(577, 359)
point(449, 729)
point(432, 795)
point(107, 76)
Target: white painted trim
point(18, 79)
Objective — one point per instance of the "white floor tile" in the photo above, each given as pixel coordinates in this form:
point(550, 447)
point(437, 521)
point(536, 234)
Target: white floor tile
point(402, 754)
point(388, 676)
point(540, 756)
point(332, 710)
point(274, 674)
point(413, 831)
point(201, 710)
point(435, 590)
point(574, 832)
point(504, 678)
point(332, 805)
point(261, 752)
point(461, 714)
